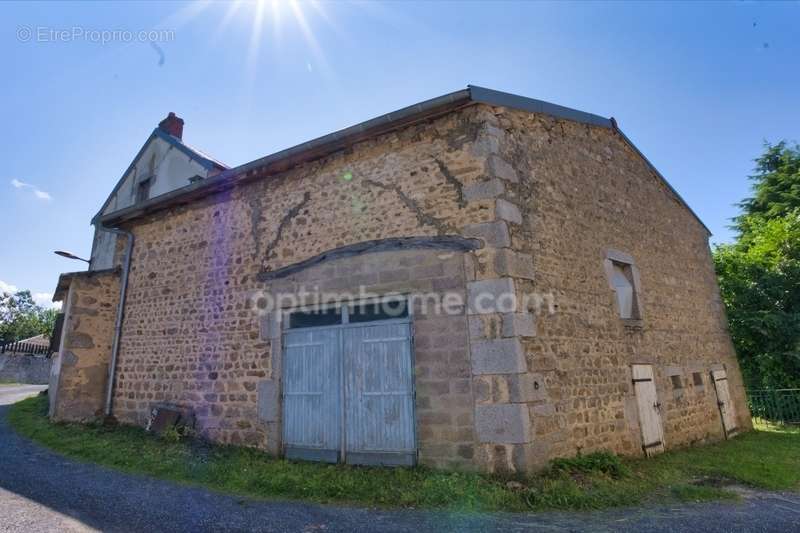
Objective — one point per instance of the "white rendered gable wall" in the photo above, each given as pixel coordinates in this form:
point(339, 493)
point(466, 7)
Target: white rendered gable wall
point(167, 167)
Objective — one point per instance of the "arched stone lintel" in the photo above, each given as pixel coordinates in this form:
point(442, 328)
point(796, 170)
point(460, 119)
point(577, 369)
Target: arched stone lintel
point(439, 242)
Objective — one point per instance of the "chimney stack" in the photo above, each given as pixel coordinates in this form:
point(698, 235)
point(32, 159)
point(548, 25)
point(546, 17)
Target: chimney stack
point(173, 125)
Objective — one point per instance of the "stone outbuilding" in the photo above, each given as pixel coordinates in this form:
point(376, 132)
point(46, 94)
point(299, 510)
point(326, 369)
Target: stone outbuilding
point(480, 280)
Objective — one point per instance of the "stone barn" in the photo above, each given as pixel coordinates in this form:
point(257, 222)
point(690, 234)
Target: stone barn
point(480, 280)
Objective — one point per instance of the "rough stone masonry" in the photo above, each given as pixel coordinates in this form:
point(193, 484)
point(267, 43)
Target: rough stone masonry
point(548, 201)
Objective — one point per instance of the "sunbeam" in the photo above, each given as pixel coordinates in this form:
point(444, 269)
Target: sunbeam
point(254, 46)
point(309, 37)
point(230, 13)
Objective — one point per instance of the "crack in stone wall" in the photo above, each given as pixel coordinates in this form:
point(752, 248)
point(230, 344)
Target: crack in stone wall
point(452, 180)
point(425, 219)
point(256, 212)
point(287, 218)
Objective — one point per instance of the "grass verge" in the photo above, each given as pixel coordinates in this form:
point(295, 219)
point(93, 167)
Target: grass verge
point(767, 458)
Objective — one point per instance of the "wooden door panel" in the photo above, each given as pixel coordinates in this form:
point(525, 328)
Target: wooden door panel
point(649, 409)
point(726, 409)
point(379, 401)
point(311, 395)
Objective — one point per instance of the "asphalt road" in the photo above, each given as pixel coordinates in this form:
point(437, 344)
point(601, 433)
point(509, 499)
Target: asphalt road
point(42, 491)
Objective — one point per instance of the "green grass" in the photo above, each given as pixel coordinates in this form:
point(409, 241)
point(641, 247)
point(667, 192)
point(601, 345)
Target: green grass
point(768, 458)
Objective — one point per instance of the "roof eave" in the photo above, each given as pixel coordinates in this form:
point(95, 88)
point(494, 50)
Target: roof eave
point(201, 159)
point(653, 168)
point(124, 174)
point(321, 146)
point(205, 162)
point(491, 97)
point(280, 161)
point(66, 278)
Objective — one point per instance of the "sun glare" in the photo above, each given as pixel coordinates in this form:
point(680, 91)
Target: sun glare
point(265, 24)
point(270, 20)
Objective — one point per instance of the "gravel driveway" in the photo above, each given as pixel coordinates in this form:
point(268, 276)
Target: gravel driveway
point(42, 491)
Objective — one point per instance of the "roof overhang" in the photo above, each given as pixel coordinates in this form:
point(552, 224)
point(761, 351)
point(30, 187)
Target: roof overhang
point(339, 140)
point(65, 280)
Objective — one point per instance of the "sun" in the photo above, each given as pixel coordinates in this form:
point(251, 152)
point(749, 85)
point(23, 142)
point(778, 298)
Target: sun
point(265, 23)
point(276, 17)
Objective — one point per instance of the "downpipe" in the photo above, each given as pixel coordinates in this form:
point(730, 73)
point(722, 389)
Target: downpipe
point(126, 267)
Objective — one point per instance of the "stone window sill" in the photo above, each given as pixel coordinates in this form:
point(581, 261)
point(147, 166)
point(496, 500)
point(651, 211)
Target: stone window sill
point(633, 323)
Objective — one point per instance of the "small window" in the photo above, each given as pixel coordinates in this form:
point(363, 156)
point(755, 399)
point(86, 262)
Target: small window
point(622, 281)
point(315, 318)
point(341, 315)
point(697, 377)
point(143, 190)
point(677, 383)
point(623, 278)
point(378, 310)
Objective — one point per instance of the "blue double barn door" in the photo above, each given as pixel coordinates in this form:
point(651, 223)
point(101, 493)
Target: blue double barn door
point(348, 394)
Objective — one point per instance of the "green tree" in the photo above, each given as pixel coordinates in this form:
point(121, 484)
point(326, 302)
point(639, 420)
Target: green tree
point(776, 186)
point(759, 274)
point(21, 317)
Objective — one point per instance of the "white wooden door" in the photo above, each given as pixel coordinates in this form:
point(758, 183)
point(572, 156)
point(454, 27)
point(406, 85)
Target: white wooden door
point(649, 409)
point(726, 410)
point(311, 394)
point(379, 394)
point(348, 392)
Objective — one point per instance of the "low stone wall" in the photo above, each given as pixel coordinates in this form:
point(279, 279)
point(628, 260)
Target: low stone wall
point(20, 368)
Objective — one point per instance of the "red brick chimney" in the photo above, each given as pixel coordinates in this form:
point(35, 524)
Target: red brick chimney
point(173, 125)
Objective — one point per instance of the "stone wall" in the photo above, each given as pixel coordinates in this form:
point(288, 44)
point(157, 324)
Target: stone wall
point(444, 402)
point(499, 387)
point(190, 338)
point(584, 193)
point(79, 376)
point(21, 368)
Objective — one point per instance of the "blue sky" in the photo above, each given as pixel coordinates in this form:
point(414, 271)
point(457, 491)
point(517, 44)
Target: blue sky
point(697, 86)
